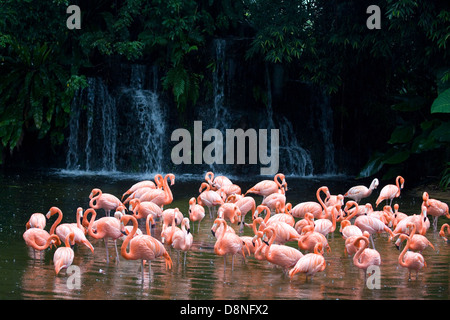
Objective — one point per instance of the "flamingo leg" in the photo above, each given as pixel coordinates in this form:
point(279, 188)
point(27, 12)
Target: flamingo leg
point(117, 252)
point(184, 263)
point(106, 247)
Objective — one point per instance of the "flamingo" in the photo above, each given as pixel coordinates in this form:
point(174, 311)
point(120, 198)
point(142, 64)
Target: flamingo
point(230, 189)
point(310, 263)
point(325, 226)
point(145, 184)
point(37, 220)
point(275, 199)
point(365, 257)
point(418, 242)
point(162, 196)
point(302, 208)
point(411, 260)
point(218, 182)
point(367, 223)
point(105, 201)
point(284, 232)
point(229, 211)
point(227, 243)
point(307, 221)
point(360, 192)
point(196, 212)
point(142, 209)
point(182, 239)
point(309, 238)
point(420, 220)
point(348, 230)
point(268, 187)
point(245, 204)
point(63, 257)
point(398, 216)
point(169, 216)
point(209, 198)
point(283, 216)
point(106, 228)
point(142, 247)
point(168, 231)
point(435, 208)
point(390, 191)
point(63, 230)
point(350, 248)
point(442, 232)
point(278, 254)
point(39, 239)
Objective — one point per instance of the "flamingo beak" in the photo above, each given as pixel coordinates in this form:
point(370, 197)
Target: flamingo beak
point(213, 233)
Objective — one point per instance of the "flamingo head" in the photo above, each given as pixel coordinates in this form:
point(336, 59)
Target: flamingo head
point(52, 211)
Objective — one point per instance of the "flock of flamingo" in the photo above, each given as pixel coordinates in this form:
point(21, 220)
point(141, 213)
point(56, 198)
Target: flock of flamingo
point(274, 223)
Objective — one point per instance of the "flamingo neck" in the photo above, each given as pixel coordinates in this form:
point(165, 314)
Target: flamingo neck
point(58, 220)
point(360, 250)
point(123, 249)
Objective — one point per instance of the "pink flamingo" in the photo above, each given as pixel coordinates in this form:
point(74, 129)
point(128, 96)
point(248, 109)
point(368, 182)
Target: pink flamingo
point(325, 226)
point(284, 232)
point(182, 239)
point(105, 201)
point(171, 216)
point(309, 238)
point(162, 196)
point(281, 255)
point(227, 243)
point(142, 209)
point(218, 182)
point(319, 210)
point(365, 257)
point(390, 191)
point(268, 187)
point(106, 228)
point(37, 220)
point(367, 223)
point(307, 221)
point(420, 220)
point(310, 263)
point(435, 208)
point(229, 211)
point(209, 198)
point(350, 248)
point(245, 204)
point(230, 189)
point(442, 232)
point(273, 199)
point(411, 260)
point(63, 230)
point(142, 247)
point(145, 184)
point(283, 216)
point(196, 212)
point(360, 192)
point(348, 230)
point(63, 257)
point(39, 239)
point(418, 242)
point(398, 216)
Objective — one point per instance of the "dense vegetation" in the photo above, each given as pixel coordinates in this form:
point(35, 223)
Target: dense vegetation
point(389, 84)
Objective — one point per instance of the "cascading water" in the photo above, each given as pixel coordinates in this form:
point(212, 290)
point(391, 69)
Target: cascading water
point(88, 148)
point(123, 131)
point(294, 159)
point(146, 118)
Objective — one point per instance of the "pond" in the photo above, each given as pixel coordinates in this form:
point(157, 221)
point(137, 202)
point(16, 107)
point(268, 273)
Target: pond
point(203, 277)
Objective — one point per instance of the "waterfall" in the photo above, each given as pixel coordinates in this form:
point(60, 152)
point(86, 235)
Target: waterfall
point(99, 116)
point(145, 137)
point(92, 129)
point(294, 159)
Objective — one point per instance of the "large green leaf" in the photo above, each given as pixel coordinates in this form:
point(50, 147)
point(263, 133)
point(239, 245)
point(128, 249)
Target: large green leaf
point(442, 103)
point(402, 134)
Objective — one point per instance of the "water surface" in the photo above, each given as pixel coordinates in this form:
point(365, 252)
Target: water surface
point(203, 276)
